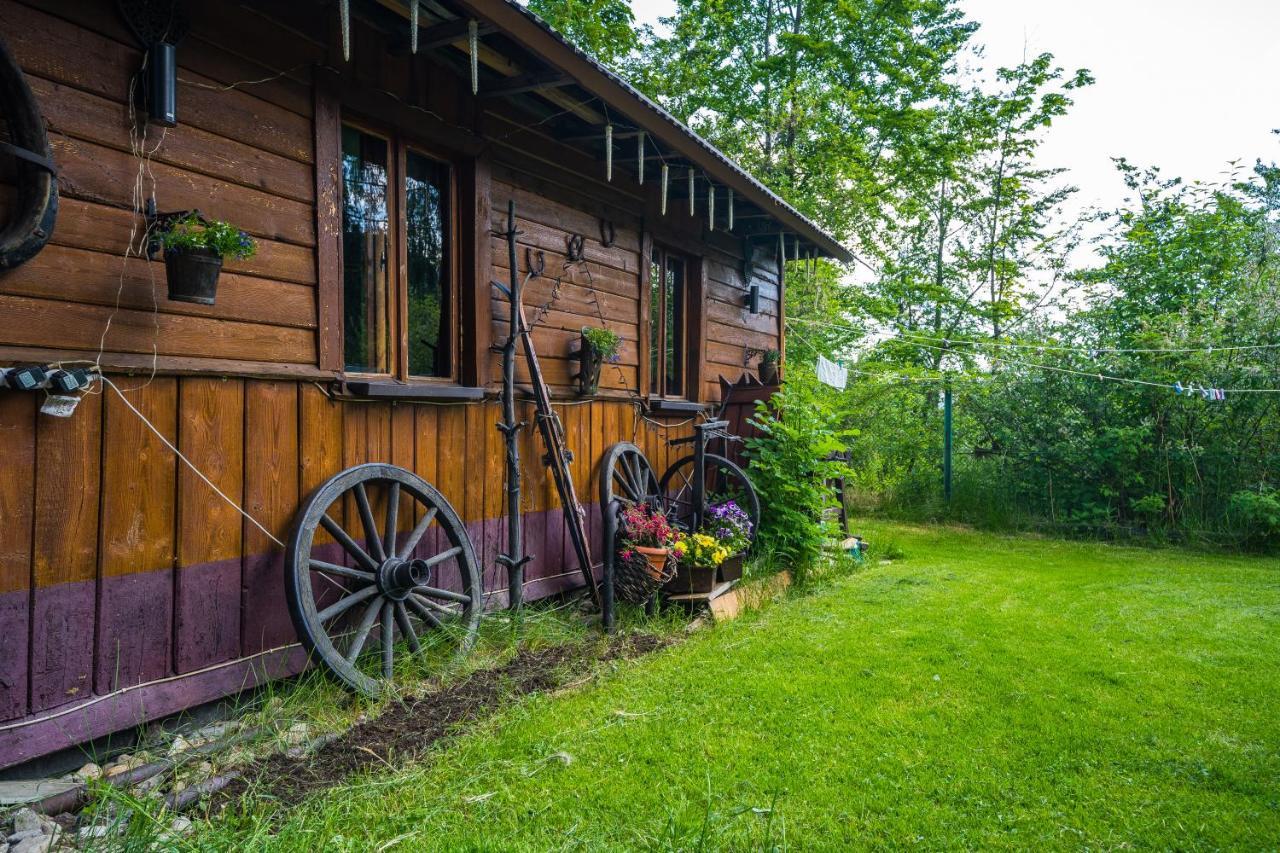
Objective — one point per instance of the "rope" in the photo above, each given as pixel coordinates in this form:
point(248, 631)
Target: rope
point(176, 452)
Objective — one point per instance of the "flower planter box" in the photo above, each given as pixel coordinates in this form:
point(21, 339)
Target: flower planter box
point(691, 579)
point(730, 569)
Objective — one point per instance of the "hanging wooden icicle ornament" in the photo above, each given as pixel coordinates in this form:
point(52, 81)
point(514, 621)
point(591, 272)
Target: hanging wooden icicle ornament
point(795, 252)
point(730, 208)
point(665, 174)
point(413, 26)
point(344, 12)
point(608, 152)
point(711, 207)
point(640, 157)
point(692, 209)
point(473, 38)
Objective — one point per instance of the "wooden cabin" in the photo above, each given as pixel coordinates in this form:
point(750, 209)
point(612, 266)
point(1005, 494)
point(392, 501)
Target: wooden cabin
point(372, 178)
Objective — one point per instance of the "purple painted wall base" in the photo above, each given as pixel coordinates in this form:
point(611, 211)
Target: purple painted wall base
point(84, 722)
point(62, 672)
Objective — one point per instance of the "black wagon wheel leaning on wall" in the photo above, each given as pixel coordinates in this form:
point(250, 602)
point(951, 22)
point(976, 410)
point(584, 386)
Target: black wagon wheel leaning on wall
point(722, 480)
point(401, 563)
point(626, 480)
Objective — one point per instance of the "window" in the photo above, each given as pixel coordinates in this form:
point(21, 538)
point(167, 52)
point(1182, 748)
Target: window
point(398, 259)
point(668, 278)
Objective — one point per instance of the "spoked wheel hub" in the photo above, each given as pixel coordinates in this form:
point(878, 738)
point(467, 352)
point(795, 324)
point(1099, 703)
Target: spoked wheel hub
point(397, 578)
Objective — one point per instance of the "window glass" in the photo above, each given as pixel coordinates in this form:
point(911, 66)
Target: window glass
point(674, 344)
point(655, 322)
point(365, 253)
point(426, 222)
point(666, 323)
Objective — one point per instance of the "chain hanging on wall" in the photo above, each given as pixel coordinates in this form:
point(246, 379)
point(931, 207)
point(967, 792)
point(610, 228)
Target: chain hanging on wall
point(413, 27)
point(730, 208)
point(711, 207)
point(666, 174)
point(692, 208)
point(640, 157)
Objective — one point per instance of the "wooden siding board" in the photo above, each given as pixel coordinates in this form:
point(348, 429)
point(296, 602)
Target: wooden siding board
point(207, 585)
point(17, 509)
point(40, 322)
point(89, 225)
point(271, 496)
point(135, 593)
point(95, 173)
point(103, 121)
point(97, 278)
point(65, 556)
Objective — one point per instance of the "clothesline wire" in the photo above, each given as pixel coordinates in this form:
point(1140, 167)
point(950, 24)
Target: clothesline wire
point(1067, 370)
point(1058, 347)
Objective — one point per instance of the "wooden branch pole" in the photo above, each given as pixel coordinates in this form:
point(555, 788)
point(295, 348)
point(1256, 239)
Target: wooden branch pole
point(558, 456)
point(514, 558)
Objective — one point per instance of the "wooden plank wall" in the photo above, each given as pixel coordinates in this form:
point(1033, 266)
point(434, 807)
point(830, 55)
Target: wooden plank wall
point(240, 155)
point(134, 569)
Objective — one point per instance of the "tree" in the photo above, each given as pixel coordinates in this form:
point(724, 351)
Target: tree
point(603, 28)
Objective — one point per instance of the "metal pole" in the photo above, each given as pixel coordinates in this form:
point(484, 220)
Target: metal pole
point(946, 444)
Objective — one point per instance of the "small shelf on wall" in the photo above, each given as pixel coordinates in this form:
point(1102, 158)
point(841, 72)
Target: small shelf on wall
point(674, 407)
point(387, 389)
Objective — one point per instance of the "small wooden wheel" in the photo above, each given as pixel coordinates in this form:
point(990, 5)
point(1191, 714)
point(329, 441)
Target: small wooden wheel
point(722, 481)
point(627, 477)
point(415, 576)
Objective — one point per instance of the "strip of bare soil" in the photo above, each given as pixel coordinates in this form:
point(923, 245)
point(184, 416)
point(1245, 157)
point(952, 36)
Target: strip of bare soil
point(407, 729)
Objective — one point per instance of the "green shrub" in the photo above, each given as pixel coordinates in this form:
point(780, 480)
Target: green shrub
point(1257, 516)
point(790, 469)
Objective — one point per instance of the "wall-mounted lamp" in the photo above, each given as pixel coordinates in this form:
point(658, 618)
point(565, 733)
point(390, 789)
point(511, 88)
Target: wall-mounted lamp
point(753, 299)
point(160, 89)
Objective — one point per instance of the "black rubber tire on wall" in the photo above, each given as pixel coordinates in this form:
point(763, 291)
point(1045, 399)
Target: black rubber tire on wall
point(30, 226)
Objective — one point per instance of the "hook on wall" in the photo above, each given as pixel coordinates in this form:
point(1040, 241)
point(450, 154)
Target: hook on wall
point(574, 248)
point(536, 261)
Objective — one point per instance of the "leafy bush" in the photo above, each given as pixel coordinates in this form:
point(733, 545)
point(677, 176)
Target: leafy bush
point(222, 238)
point(1257, 514)
point(789, 468)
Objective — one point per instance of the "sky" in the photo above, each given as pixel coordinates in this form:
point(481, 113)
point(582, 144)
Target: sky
point(1187, 85)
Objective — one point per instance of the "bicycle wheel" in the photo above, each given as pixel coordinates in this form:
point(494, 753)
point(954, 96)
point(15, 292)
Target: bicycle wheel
point(722, 481)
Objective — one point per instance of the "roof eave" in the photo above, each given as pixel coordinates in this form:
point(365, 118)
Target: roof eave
point(552, 48)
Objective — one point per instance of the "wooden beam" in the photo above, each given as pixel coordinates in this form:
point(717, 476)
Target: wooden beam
point(526, 83)
point(491, 58)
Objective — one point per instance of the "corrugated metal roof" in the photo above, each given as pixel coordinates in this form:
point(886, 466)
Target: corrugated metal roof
point(765, 198)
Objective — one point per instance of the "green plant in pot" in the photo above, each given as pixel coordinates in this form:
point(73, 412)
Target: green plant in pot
point(194, 248)
point(769, 361)
point(647, 532)
point(595, 348)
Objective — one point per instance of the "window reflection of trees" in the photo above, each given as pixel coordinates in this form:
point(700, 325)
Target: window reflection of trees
point(426, 218)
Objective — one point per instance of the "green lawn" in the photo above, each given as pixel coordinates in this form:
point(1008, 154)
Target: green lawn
point(979, 692)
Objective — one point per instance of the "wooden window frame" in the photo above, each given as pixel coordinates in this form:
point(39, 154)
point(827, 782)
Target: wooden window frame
point(694, 326)
point(471, 268)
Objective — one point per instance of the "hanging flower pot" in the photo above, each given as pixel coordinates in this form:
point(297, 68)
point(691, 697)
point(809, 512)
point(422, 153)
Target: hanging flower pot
point(193, 251)
point(769, 367)
point(192, 274)
point(595, 347)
